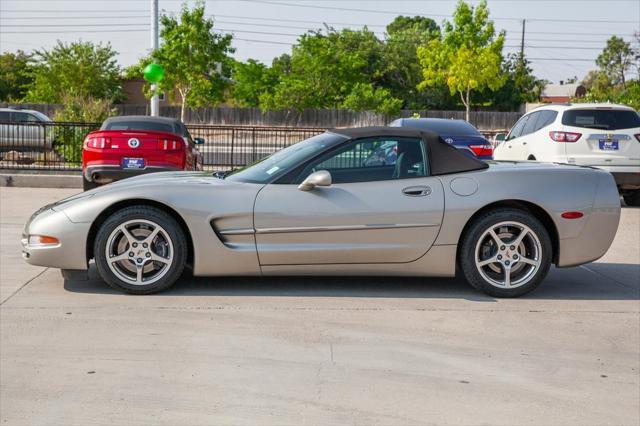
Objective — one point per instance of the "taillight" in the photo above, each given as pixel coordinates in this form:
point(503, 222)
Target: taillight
point(481, 150)
point(169, 144)
point(98, 142)
point(565, 136)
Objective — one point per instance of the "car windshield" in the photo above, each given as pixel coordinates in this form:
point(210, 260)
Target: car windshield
point(40, 115)
point(139, 125)
point(442, 127)
point(605, 119)
point(278, 163)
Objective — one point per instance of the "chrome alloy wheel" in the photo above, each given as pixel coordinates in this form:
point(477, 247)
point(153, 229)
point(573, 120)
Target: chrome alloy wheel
point(508, 254)
point(139, 252)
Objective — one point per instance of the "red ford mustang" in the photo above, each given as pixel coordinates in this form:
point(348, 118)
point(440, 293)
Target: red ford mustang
point(132, 145)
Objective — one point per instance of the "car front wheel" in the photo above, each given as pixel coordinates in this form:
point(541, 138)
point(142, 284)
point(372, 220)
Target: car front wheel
point(506, 253)
point(140, 250)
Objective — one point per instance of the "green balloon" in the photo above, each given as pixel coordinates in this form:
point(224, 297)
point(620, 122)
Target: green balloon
point(153, 73)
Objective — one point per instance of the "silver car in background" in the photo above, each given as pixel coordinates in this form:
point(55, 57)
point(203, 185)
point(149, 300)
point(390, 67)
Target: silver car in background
point(321, 207)
point(25, 130)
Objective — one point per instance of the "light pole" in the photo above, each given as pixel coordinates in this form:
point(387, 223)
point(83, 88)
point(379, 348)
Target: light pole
point(155, 100)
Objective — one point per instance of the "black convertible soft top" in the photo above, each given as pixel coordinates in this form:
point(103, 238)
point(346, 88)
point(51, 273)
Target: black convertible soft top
point(443, 158)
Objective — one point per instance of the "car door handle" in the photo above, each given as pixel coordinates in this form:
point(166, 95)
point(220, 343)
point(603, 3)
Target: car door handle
point(524, 143)
point(416, 191)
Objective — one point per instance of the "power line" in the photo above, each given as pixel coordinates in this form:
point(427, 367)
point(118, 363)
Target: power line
point(74, 32)
point(561, 59)
point(75, 25)
point(4, 18)
point(262, 41)
point(72, 11)
point(388, 12)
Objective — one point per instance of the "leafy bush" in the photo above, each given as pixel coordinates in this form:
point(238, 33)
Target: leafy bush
point(68, 139)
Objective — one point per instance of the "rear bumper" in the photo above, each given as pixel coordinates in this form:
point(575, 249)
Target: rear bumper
point(599, 230)
point(625, 176)
point(106, 173)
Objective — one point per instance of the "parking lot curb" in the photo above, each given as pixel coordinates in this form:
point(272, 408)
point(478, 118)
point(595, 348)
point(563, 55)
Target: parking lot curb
point(32, 180)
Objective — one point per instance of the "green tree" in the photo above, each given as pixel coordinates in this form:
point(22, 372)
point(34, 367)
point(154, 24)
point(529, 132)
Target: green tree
point(81, 69)
point(616, 59)
point(468, 55)
point(520, 85)
point(364, 97)
point(598, 85)
point(251, 79)
point(195, 58)
point(324, 69)
point(68, 139)
point(402, 70)
point(15, 75)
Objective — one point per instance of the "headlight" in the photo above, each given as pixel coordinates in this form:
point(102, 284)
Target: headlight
point(43, 241)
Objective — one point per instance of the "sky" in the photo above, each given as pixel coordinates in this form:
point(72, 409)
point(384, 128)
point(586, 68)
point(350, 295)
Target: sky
point(562, 37)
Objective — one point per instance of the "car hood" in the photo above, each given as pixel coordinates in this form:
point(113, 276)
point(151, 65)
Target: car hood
point(189, 193)
point(162, 179)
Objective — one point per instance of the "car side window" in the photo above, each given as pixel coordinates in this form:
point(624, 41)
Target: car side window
point(516, 130)
point(530, 125)
point(5, 116)
point(546, 118)
point(373, 159)
point(23, 116)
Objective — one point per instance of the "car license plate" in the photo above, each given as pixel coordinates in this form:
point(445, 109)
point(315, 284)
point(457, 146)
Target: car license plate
point(608, 145)
point(133, 163)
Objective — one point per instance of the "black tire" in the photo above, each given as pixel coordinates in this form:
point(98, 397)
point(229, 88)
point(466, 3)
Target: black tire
point(87, 184)
point(632, 199)
point(173, 241)
point(536, 240)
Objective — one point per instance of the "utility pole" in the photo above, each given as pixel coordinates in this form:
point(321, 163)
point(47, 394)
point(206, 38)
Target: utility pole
point(522, 45)
point(155, 100)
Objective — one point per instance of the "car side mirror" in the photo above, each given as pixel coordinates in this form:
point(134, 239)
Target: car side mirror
point(500, 137)
point(198, 141)
point(319, 178)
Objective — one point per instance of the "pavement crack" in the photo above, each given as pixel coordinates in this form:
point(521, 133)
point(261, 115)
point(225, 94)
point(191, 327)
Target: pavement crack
point(23, 286)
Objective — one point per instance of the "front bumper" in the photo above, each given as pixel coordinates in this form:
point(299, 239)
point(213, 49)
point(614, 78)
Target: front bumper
point(108, 173)
point(69, 253)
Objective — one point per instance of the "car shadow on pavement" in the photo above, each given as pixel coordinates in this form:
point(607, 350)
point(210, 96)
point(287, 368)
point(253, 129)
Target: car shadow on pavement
point(580, 283)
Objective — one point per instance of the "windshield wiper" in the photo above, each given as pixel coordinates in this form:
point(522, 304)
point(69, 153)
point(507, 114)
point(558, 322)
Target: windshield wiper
point(223, 173)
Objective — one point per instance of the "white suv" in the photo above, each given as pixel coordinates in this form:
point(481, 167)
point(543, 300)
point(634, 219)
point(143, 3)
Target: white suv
point(606, 136)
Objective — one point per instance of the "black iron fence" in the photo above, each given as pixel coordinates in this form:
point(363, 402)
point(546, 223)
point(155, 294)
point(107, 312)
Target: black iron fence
point(232, 146)
point(58, 146)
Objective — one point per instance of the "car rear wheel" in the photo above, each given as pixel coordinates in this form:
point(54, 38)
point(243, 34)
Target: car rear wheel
point(632, 199)
point(506, 253)
point(140, 250)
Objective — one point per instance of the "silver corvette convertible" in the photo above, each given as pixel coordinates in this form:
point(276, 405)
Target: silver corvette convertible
point(333, 205)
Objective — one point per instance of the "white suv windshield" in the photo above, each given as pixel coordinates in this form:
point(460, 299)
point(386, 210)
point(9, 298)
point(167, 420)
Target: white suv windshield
point(605, 119)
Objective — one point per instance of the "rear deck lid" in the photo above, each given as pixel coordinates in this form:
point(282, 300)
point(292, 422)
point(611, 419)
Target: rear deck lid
point(609, 136)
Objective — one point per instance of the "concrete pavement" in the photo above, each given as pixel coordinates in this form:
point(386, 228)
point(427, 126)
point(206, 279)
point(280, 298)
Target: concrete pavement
point(318, 350)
